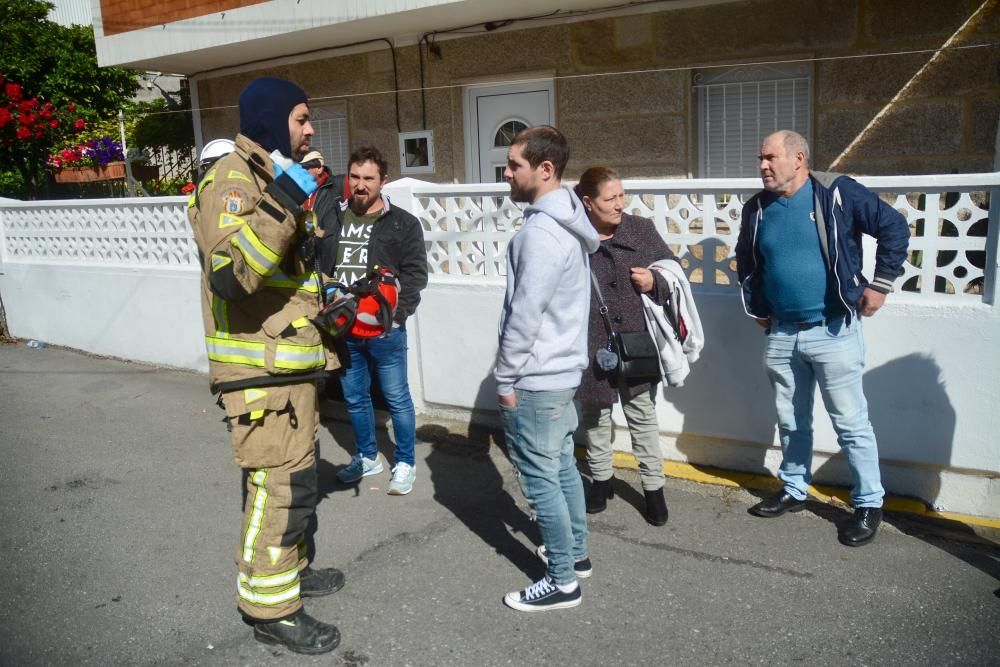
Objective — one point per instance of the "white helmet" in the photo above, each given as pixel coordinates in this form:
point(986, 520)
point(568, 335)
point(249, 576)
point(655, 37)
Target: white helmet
point(215, 149)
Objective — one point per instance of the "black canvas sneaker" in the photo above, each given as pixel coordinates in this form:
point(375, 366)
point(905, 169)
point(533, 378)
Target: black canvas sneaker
point(542, 596)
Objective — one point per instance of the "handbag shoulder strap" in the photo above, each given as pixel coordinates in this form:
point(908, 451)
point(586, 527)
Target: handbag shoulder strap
point(603, 309)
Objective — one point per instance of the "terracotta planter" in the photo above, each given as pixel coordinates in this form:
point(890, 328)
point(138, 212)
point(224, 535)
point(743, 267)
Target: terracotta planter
point(113, 171)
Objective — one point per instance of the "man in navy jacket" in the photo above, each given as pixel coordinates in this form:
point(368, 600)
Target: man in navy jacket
point(799, 263)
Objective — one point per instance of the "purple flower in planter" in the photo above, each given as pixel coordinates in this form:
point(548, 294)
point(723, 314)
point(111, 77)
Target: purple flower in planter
point(103, 151)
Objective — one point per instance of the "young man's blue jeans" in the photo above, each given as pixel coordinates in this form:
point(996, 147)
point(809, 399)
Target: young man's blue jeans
point(832, 356)
point(387, 356)
point(539, 434)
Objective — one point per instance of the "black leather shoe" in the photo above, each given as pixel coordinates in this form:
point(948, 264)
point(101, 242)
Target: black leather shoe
point(300, 633)
point(862, 528)
point(656, 507)
point(317, 583)
point(777, 505)
point(600, 491)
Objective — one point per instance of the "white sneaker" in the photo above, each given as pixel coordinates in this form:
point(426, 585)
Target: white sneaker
point(403, 476)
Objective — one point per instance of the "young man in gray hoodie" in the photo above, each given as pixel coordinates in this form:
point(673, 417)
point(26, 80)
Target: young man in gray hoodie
point(542, 355)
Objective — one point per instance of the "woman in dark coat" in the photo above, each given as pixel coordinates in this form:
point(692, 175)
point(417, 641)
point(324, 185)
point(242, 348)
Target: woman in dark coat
point(629, 244)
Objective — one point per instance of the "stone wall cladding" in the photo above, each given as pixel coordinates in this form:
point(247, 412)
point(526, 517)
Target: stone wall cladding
point(759, 27)
point(982, 117)
point(645, 122)
point(120, 16)
point(887, 22)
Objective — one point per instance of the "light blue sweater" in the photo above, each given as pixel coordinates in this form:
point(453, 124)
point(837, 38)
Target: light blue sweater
point(543, 325)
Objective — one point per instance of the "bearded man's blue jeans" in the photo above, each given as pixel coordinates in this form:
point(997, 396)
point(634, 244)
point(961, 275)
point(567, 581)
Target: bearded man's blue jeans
point(539, 434)
point(386, 356)
point(831, 356)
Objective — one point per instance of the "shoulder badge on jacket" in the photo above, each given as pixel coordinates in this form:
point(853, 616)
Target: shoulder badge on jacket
point(234, 200)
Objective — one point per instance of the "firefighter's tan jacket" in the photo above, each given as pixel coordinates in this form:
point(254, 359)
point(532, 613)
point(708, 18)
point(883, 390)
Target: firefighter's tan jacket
point(259, 287)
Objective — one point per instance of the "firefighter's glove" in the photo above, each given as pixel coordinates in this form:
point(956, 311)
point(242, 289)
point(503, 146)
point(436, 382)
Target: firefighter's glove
point(333, 291)
point(292, 186)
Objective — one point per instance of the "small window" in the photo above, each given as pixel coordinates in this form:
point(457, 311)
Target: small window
point(416, 152)
point(506, 133)
point(737, 107)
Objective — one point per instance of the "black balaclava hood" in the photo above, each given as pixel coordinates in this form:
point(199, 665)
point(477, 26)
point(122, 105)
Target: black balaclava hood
point(264, 108)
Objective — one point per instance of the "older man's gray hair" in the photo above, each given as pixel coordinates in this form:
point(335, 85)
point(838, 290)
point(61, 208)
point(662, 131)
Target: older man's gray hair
point(794, 143)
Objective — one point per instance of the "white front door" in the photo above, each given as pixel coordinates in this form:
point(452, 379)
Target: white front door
point(493, 115)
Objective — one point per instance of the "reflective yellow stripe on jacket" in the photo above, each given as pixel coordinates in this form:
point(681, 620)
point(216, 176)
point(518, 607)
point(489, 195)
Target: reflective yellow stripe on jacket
point(259, 257)
point(308, 282)
point(230, 351)
point(287, 355)
point(299, 357)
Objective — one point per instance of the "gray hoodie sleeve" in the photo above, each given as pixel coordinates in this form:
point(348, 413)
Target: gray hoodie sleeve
point(535, 262)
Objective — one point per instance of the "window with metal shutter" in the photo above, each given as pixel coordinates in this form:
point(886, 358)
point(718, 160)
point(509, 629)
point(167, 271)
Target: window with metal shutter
point(738, 107)
point(332, 140)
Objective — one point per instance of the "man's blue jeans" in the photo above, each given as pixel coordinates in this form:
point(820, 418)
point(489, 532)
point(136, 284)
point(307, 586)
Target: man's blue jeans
point(539, 434)
point(832, 356)
point(387, 356)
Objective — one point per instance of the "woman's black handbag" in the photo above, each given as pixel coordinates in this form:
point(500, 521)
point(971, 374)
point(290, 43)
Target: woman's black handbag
point(631, 355)
point(638, 357)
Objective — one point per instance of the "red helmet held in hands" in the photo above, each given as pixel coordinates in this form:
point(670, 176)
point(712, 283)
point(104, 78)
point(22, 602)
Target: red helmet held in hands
point(364, 309)
point(378, 294)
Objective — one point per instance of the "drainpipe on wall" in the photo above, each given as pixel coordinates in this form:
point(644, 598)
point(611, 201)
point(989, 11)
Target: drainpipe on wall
point(199, 140)
point(130, 182)
point(990, 292)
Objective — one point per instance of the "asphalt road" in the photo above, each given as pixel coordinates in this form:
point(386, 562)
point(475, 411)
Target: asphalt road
point(120, 510)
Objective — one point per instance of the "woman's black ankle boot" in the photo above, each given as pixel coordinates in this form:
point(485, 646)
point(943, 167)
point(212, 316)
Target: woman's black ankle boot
point(656, 507)
point(600, 491)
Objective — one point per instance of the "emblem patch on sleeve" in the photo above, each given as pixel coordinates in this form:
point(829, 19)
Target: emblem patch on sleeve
point(234, 201)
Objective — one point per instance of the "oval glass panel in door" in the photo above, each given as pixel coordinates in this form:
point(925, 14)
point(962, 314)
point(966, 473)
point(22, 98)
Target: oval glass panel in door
point(506, 132)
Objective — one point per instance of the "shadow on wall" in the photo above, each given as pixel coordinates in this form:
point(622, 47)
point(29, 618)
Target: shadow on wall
point(913, 420)
point(912, 415)
point(467, 482)
point(744, 404)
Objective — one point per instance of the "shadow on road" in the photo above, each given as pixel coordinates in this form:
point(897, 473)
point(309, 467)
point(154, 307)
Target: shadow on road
point(468, 483)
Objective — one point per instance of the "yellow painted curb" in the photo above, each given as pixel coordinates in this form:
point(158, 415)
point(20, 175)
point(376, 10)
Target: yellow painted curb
point(826, 494)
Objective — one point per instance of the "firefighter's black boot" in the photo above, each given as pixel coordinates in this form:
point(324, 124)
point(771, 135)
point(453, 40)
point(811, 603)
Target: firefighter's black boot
point(316, 583)
point(300, 633)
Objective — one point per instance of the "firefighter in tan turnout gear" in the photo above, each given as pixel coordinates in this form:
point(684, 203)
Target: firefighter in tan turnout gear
point(259, 291)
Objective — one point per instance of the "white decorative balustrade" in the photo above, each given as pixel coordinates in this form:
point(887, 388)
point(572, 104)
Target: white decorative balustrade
point(151, 232)
point(467, 228)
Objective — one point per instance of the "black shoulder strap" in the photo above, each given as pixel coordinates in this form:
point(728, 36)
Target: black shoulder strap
point(602, 309)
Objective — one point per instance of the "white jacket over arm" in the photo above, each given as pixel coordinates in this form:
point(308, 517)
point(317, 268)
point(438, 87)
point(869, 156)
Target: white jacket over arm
point(675, 327)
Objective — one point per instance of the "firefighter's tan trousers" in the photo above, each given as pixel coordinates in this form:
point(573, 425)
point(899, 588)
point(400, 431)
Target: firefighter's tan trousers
point(274, 438)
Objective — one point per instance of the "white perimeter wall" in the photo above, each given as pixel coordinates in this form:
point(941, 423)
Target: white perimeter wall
point(932, 380)
point(142, 314)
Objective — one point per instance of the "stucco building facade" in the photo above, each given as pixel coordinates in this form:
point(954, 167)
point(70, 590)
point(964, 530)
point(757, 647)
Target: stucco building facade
point(665, 89)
